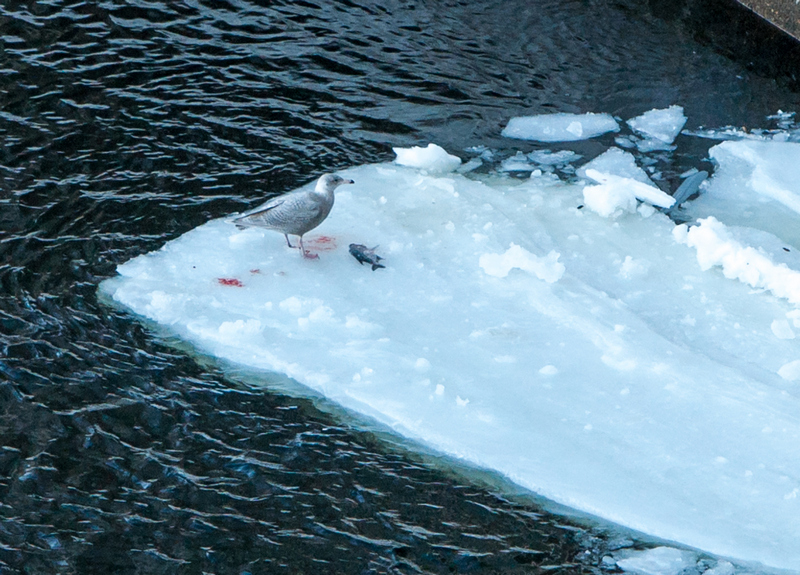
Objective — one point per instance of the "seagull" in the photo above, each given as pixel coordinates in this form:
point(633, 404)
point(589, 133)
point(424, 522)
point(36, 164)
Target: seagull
point(295, 213)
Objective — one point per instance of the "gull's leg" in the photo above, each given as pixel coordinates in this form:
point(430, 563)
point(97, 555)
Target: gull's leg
point(305, 253)
point(290, 243)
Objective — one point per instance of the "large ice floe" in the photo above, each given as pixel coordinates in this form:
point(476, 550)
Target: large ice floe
point(569, 336)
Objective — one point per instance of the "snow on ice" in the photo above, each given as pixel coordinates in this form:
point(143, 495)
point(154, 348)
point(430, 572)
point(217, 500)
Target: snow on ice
point(606, 358)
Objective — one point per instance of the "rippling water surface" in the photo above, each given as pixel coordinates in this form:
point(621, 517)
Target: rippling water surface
point(123, 124)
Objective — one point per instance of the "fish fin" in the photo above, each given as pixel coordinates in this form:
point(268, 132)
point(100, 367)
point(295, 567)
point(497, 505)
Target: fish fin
point(377, 265)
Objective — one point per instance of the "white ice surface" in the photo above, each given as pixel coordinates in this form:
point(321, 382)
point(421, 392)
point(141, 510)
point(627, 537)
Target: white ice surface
point(658, 127)
point(615, 195)
point(559, 127)
point(432, 158)
point(595, 361)
point(618, 163)
point(755, 185)
point(658, 561)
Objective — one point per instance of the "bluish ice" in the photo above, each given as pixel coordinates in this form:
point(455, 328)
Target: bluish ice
point(569, 336)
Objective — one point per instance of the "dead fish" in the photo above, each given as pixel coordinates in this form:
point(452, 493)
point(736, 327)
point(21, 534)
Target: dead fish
point(366, 255)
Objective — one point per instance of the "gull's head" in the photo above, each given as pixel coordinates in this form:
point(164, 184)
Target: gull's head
point(330, 182)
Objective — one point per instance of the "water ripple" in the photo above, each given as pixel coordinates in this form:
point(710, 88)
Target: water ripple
point(125, 123)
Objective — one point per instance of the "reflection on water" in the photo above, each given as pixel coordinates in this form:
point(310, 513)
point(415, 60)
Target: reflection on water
point(126, 123)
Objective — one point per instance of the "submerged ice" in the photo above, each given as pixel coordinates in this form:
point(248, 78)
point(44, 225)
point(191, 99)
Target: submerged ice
point(606, 358)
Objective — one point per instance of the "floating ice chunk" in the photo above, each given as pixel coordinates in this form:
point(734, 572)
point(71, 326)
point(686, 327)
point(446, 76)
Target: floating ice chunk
point(773, 167)
point(517, 163)
point(548, 158)
point(716, 247)
point(616, 195)
point(729, 133)
point(471, 165)
point(658, 561)
point(659, 127)
point(617, 163)
point(755, 185)
point(691, 378)
point(646, 193)
point(608, 200)
point(546, 268)
point(433, 158)
point(559, 127)
point(784, 119)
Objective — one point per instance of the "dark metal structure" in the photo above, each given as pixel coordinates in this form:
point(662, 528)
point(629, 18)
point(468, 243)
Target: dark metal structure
point(764, 35)
point(785, 14)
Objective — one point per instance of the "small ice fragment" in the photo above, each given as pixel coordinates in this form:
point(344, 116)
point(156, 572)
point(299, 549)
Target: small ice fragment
point(645, 210)
point(422, 365)
point(433, 158)
point(549, 370)
point(548, 158)
point(782, 329)
point(641, 191)
point(461, 402)
point(559, 127)
point(617, 163)
point(631, 268)
point(517, 163)
point(546, 268)
point(659, 127)
point(790, 371)
point(439, 389)
point(609, 201)
point(658, 561)
point(471, 165)
point(721, 568)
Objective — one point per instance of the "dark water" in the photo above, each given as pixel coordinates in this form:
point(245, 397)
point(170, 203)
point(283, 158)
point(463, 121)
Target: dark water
point(123, 124)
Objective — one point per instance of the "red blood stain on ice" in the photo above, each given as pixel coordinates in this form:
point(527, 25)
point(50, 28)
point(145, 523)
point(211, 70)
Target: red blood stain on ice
point(233, 282)
point(321, 243)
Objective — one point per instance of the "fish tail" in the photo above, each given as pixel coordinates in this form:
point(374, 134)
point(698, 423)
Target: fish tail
point(377, 265)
